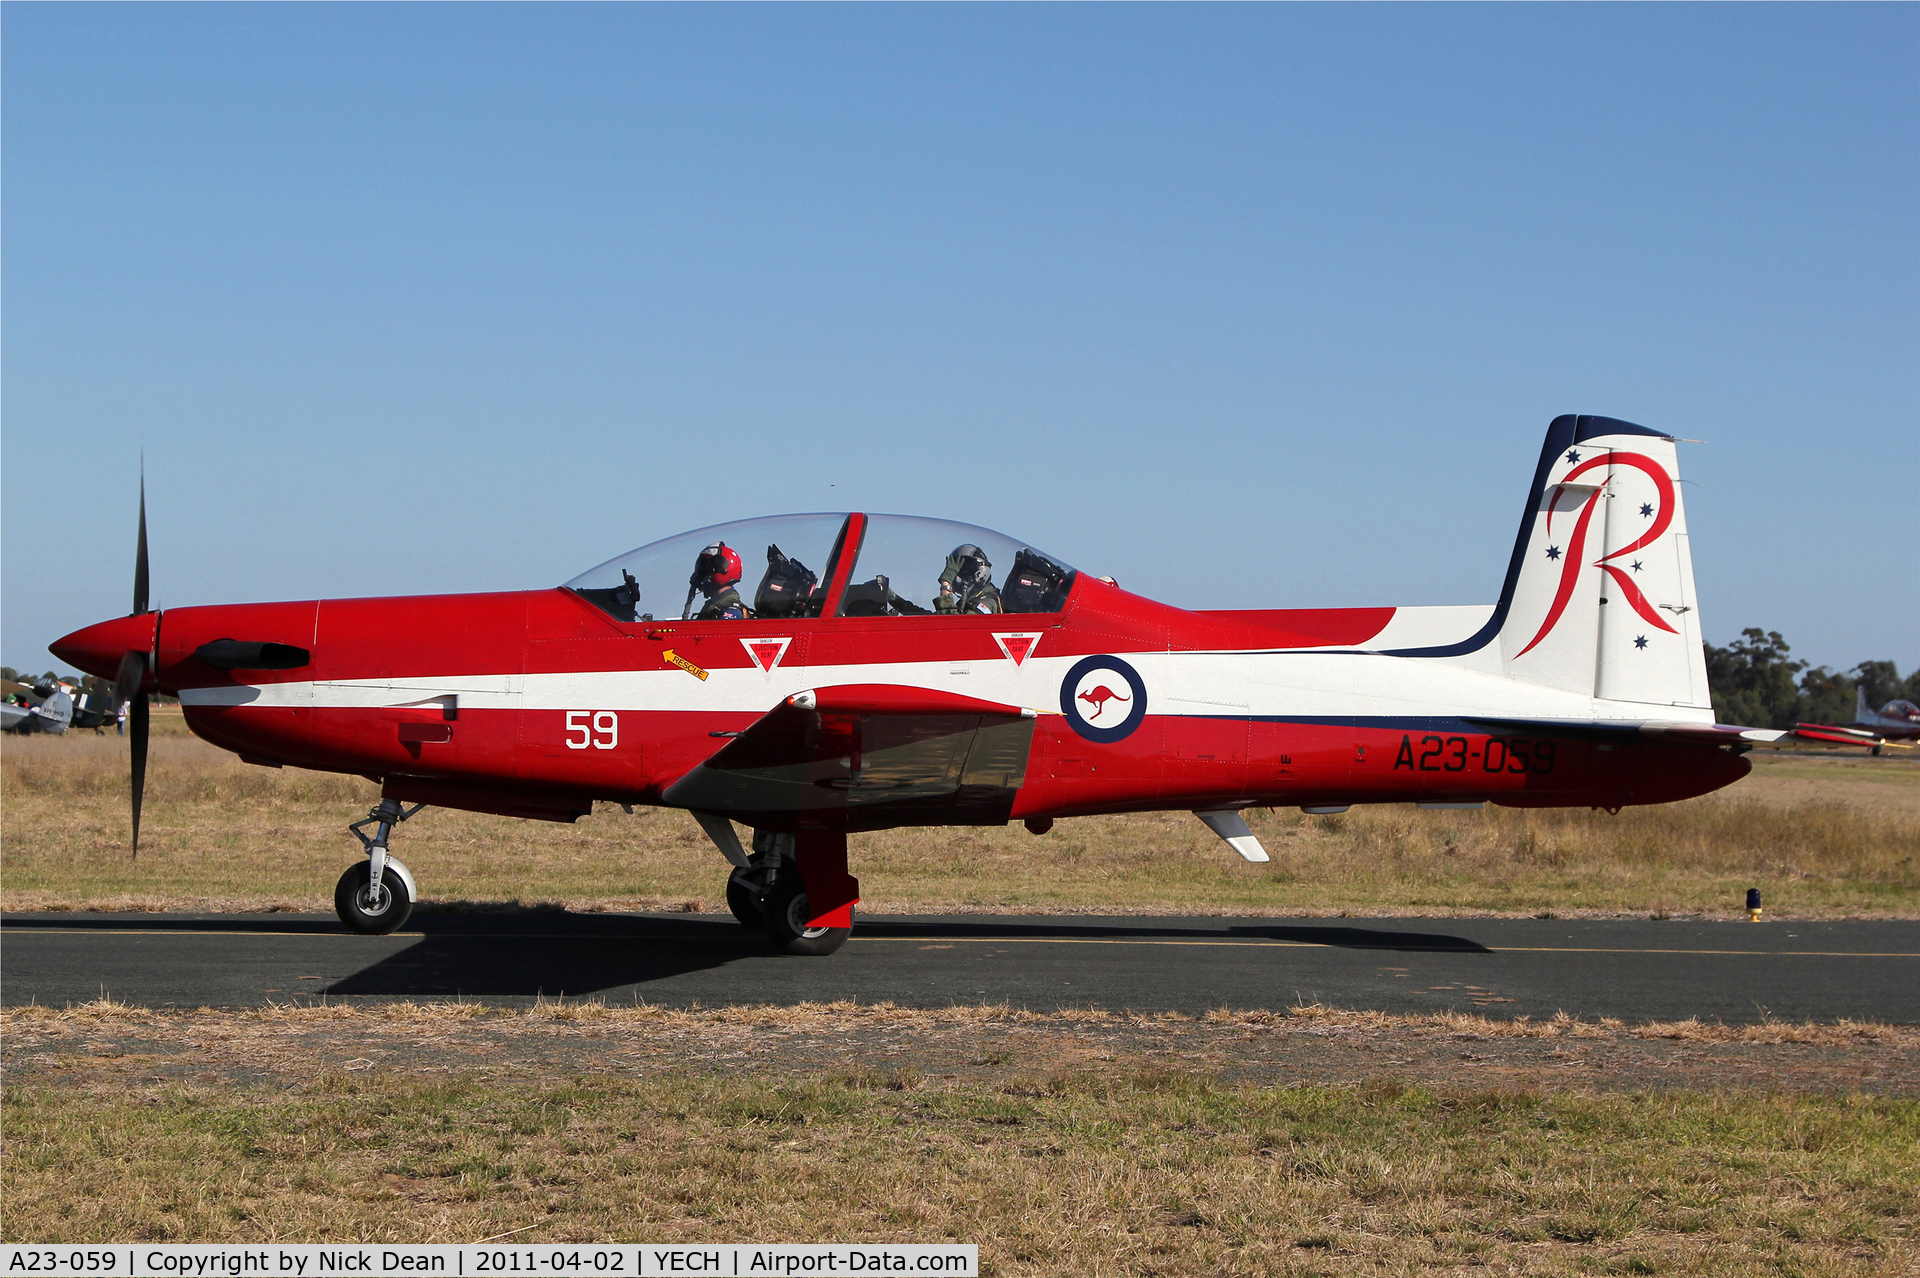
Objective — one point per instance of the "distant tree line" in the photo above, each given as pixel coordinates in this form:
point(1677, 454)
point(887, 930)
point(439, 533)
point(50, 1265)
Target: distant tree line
point(85, 685)
point(1756, 683)
point(82, 683)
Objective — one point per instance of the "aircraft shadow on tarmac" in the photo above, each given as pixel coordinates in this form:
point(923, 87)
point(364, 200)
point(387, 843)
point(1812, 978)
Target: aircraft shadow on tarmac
point(1350, 938)
point(554, 953)
point(544, 956)
point(528, 952)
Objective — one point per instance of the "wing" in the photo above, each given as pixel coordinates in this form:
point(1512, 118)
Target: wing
point(866, 757)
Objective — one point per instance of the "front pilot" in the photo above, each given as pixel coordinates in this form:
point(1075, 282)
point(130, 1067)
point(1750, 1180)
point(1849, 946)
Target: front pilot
point(715, 573)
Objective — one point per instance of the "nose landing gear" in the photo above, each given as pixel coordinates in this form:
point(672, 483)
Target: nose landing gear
point(376, 895)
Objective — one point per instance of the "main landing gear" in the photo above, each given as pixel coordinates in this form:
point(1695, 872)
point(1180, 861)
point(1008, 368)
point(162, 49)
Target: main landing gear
point(376, 895)
point(772, 890)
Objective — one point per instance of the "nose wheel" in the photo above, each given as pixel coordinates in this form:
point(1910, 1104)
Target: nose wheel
point(375, 896)
point(368, 912)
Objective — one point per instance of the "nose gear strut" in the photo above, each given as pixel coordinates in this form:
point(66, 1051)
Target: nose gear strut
point(375, 896)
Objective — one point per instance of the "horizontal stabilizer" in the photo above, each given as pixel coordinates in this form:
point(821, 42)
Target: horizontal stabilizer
point(1712, 734)
point(1708, 734)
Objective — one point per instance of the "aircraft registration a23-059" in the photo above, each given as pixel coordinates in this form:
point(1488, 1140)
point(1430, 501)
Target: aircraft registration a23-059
point(900, 671)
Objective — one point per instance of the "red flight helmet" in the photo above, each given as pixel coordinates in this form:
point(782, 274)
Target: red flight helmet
point(717, 568)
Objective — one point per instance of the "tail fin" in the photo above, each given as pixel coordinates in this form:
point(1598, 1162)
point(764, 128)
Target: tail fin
point(1862, 712)
point(1599, 595)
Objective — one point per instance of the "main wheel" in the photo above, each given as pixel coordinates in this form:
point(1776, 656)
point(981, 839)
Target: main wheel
point(353, 902)
point(787, 913)
point(747, 890)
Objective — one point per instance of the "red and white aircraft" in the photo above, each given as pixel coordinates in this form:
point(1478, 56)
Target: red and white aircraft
point(847, 702)
point(1894, 724)
point(1894, 719)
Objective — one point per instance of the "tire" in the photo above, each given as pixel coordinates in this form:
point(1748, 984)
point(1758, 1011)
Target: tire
point(349, 900)
point(786, 914)
point(746, 892)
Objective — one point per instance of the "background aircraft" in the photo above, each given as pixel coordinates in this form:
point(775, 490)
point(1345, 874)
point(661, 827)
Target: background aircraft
point(42, 706)
point(87, 707)
point(18, 699)
point(854, 698)
point(1892, 723)
point(97, 710)
point(1894, 719)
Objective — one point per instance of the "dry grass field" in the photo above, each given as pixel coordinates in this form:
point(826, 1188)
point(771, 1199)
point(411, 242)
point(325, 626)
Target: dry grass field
point(1083, 1143)
point(1309, 1142)
point(1823, 837)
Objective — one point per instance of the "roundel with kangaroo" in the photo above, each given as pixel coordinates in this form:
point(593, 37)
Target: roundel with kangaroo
point(1104, 698)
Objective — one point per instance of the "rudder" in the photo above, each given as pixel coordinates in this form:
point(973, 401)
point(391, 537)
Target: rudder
point(1599, 595)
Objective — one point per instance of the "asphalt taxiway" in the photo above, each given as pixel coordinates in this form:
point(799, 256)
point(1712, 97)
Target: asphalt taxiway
point(1632, 969)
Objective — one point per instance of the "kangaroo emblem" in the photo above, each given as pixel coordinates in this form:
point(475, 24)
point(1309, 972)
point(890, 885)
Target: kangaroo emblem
point(1098, 699)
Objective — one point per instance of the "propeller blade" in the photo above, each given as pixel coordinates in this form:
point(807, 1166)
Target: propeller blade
point(137, 725)
point(127, 680)
point(140, 554)
point(133, 672)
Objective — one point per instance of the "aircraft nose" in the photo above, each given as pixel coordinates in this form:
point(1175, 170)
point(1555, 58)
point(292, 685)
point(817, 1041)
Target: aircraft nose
point(98, 649)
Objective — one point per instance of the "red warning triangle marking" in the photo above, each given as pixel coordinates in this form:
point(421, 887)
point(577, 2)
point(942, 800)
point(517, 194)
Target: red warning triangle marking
point(1018, 647)
point(765, 653)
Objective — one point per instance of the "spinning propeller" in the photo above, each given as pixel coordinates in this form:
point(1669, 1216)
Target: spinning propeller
point(128, 649)
point(129, 682)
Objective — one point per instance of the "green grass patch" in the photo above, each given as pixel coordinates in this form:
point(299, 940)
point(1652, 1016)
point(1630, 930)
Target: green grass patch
point(1132, 1172)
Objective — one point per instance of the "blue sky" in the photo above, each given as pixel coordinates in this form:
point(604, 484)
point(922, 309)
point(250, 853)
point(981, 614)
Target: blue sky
point(1246, 306)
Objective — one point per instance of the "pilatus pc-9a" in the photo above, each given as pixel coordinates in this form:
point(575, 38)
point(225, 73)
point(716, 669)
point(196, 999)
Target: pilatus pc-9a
point(889, 670)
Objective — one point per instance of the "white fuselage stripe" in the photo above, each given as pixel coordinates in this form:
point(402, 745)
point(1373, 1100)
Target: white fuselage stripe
point(1286, 684)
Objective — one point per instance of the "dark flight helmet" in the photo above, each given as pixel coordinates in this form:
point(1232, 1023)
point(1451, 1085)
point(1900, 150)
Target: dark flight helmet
point(968, 568)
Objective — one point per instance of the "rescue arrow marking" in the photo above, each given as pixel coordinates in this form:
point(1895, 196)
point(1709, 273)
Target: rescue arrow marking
point(674, 658)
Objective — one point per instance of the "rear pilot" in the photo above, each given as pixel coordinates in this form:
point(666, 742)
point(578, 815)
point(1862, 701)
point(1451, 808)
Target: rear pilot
point(966, 582)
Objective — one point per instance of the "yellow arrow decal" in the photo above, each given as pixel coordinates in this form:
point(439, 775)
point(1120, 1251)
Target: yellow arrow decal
point(674, 658)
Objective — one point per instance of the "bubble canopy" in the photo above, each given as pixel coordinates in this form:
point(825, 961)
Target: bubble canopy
point(788, 561)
